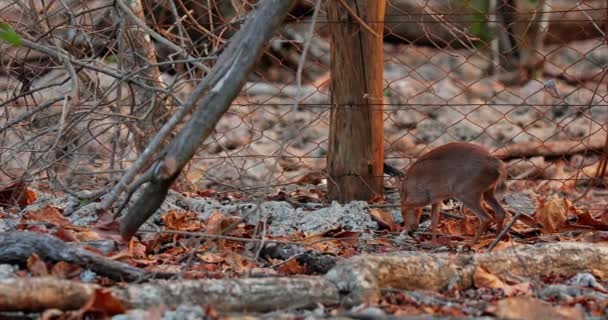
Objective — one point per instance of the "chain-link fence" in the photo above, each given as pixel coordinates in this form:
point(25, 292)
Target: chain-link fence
point(526, 79)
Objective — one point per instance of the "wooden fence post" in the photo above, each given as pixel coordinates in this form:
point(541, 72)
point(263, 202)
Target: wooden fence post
point(356, 137)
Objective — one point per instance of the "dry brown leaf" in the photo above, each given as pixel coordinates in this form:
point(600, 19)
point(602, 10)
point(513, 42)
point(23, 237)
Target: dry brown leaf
point(181, 220)
point(65, 270)
point(210, 257)
point(214, 223)
point(553, 213)
point(292, 267)
point(37, 266)
point(467, 226)
point(65, 235)
point(175, 251)
point(238, 263)
point(16, 193)
point(590, 170)
point(48, 214)
point(525, 223)
point(329, 246)
point(530, 308)
point(206, 267)
point(87, 235)
point(385, 219)
point(505, 244)
point(103, 302)
point(483, 242)
point(599, 274)
point(484, 279)
point(450, 226)
point(106, 222)
point(347, 238)
point(137, 250)
point(233, 225)
point(585, 218)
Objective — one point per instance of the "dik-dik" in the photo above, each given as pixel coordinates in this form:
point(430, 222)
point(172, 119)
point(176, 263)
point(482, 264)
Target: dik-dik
point(460, 171)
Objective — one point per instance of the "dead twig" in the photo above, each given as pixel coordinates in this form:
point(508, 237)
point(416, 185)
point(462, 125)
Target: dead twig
point(504, 231)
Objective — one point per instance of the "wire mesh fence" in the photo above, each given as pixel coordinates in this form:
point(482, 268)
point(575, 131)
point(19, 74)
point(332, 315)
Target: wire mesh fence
point(525, 79)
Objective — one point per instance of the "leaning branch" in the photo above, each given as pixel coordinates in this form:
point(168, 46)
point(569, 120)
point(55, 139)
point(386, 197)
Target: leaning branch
point(212, 98)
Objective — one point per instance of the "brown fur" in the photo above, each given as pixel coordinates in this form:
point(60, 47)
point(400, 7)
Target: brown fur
point(462, 171)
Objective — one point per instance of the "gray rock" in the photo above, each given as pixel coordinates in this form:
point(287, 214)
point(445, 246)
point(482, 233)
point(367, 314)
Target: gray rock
point(88, 276)
point(184, 312)
point(585, 279)
point(8, 271)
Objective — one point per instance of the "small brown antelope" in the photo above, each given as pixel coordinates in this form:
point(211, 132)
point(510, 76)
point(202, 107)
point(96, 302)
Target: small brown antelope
point(462, 171)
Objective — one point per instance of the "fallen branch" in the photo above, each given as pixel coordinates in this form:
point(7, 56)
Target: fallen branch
point(360, 279)
point(550, 148)
point(39, 294)
point(17, 247)
point(252, 294)
point(504, 231)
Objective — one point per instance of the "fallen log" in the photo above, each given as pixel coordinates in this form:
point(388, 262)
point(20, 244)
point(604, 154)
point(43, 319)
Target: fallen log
point(247, 294)
point(551, 148)
point(360, 279)
point(250, 294)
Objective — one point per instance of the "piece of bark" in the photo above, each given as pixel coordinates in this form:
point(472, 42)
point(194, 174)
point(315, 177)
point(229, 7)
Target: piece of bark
point(360, 279)
point(17, 247)
point(551, 148)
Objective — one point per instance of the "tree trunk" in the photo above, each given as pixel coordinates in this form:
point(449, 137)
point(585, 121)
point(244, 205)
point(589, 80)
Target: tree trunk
point(356, 135)
point(138, 53)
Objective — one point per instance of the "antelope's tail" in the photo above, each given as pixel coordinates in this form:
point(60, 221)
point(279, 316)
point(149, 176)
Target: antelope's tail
point(392, 171)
